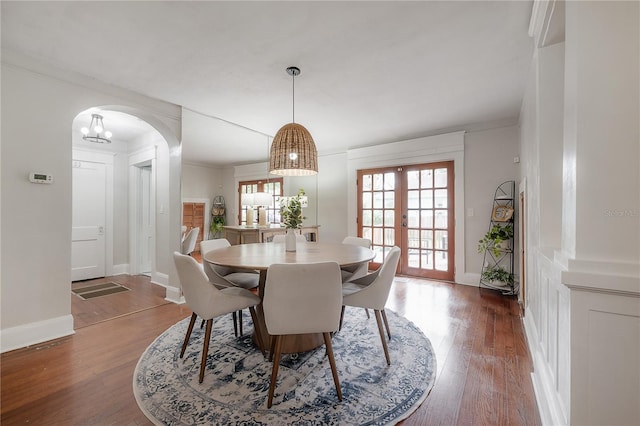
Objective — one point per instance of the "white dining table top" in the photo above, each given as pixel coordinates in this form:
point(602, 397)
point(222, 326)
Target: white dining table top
point(262, 255)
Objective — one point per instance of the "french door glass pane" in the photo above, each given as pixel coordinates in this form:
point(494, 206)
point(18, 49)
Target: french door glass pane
point(389, 218)
point(414, 258)
point(440, 196)
point(389, 237)
point(426, 259)
point(377, 200)
point(426, 220)
point(441, 219)
point(389, 181)
point(366, 183)
point(426, 198)
point(377, 218)
point(426, 240)
point(377, 236)
point(389, 199)
point(413, 220)
point(367, 218)
point(426, 178)
point(377, 182)
point(441, 240)
point(413, 238)
point(366, 233)
point(413, 180)
point(442, 260)
point(413, 202)
point(366, 200)
point(441, 178)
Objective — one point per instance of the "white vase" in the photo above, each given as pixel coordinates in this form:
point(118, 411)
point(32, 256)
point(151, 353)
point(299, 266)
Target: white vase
point(290, 240)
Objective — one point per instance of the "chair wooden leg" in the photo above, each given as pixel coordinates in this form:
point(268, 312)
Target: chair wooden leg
point(367, 311)
point(272, 347)
point(256, 331)
point(332, 362)
point(205, 348)
point(384, 341)
point(186, 338)
point(386, 323)
point(341, 317)
point(240, 321)
point(202, 323)
point(274, 371)
point(235, 323)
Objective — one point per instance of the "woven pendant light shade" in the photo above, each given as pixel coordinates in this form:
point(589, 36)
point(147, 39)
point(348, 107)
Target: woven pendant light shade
point(293, 152)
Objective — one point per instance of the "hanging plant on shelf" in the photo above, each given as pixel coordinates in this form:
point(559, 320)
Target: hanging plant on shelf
point(291, 211)
point(497, 275)
point(217, 223)
point(494, 238)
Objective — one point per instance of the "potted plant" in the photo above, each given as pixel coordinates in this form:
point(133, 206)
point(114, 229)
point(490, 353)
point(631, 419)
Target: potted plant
point(291, 217)
point(217, 223)
point(497, 276)
point(494, 238)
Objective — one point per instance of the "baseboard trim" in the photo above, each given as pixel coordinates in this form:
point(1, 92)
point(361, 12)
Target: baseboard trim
point(469, 279)
point(174, 295)
point(35, 332)
point(121, 269)
point(160, 279)
point(549, 404)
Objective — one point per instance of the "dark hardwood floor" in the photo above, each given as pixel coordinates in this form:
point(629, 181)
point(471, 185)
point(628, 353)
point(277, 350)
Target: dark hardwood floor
point(483, 361)
point(142, 295)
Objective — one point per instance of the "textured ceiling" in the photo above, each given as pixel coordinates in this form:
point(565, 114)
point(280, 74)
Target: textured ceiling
point(372, 72)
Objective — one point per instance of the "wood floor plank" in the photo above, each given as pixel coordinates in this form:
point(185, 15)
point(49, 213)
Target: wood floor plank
point(483, 362)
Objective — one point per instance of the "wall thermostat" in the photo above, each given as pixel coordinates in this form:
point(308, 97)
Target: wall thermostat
point(40, 178)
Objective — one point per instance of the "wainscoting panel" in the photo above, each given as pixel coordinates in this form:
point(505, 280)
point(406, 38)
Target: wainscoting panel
point(547, 324)
point(606, 350)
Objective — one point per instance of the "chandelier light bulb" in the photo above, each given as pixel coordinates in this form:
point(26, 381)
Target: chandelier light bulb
point(94, 131)
point(293, 156)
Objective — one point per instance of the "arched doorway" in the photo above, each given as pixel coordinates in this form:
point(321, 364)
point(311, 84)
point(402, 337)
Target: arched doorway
point(117, 218)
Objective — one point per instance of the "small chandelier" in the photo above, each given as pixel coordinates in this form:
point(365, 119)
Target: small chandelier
point(95, 131)
point(293, 152)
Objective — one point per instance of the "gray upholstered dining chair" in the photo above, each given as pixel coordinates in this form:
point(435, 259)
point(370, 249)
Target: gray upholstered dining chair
point(223, 277)
point(372, 291)
point(355, 271)
point(189, 242)
point(208, 302)
point(302, 299)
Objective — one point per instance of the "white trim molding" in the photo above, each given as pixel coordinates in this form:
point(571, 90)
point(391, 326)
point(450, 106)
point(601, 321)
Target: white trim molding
point(35, 332)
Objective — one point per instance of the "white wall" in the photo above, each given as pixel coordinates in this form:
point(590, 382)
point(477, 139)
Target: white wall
point(333, 195)
point(489, 161)
point(36, 219)
point(581, 145)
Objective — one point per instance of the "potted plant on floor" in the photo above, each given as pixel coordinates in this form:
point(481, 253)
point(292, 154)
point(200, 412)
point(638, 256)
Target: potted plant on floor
point(495, 239)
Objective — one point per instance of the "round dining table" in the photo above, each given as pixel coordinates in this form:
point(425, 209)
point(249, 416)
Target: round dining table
point(260, 256)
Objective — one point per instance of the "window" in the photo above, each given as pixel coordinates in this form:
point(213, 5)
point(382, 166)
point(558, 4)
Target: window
point(273, 187)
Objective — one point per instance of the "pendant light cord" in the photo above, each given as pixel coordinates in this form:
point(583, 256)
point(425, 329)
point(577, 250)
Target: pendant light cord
point(293, 98)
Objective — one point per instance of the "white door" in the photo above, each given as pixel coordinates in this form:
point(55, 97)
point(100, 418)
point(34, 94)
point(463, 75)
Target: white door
point(147, 223)
point(88, 222)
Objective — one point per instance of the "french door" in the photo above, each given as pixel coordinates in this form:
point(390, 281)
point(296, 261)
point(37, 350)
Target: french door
point(410, 207)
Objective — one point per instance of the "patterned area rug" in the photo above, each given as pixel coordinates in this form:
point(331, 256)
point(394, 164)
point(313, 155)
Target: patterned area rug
point(236, 380)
